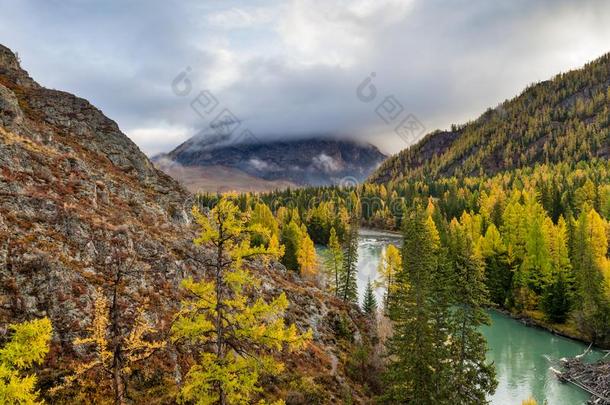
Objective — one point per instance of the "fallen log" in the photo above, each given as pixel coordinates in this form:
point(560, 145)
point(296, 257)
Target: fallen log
point(593, 378)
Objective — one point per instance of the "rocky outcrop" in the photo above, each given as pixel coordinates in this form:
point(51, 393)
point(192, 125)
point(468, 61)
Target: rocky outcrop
point(79, 200)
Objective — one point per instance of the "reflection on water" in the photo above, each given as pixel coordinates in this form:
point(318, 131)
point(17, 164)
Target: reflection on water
point(517, 351)
point(371, 247)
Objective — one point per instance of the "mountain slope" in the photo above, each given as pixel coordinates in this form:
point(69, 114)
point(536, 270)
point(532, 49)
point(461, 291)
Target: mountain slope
point(78, 200)
point(218, 179)
point(563, 119)
point(308, 161)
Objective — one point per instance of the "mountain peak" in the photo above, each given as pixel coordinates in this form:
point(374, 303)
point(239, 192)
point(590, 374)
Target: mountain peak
point(11, 71)
point(312, 160)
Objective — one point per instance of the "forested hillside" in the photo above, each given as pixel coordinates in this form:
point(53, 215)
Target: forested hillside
point(540, 233)
point(565, 119)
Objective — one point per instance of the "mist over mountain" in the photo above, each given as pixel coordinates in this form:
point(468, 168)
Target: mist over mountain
point(308, 161)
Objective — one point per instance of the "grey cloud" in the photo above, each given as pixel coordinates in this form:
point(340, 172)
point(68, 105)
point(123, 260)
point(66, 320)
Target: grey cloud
point(286, 72)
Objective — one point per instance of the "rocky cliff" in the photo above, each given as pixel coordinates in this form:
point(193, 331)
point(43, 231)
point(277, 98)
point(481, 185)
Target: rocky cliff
point(79, 199)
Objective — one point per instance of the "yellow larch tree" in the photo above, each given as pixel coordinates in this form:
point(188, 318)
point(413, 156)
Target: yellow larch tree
point(237, 333)
point(389, 265)
point(29, 344)
point(107, 369)
point(306, 257)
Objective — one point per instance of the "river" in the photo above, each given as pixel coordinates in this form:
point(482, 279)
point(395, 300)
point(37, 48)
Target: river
point(518, 351)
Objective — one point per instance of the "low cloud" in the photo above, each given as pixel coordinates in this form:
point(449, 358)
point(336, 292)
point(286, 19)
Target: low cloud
point(326, 163)
point(258, 164)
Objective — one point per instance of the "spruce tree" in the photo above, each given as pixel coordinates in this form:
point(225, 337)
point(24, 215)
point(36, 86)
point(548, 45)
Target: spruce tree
point(498, 276)
point(472, 378)
point(348, 288)
point(333, 261)
point(369, 302)
point(415, 350)
point(556, 298)
point(291, 237)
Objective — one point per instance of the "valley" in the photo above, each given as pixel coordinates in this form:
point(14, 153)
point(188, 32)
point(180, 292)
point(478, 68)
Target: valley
point(309, 270)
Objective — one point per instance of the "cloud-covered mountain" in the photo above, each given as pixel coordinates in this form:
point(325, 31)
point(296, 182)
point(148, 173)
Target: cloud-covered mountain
point(278, 163)
point(292, 67)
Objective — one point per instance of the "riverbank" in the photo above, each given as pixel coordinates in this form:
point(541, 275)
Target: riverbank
point(519, 352)
point(373, 232)
point(536, 319)
point(522, 355)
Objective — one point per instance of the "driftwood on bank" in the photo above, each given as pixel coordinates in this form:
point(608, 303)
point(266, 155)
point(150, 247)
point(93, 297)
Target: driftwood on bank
point(593, 378)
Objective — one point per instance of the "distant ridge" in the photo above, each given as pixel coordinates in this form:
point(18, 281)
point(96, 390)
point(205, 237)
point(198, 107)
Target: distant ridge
point(566, 118)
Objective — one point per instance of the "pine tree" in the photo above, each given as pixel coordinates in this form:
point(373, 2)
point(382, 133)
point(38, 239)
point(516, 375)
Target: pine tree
point(472, 377)
point(369, 302)
point(590, 247)
point(334, 260)
point(348, 288)
point(238, 335)
point(416, 349)
point(28, 346)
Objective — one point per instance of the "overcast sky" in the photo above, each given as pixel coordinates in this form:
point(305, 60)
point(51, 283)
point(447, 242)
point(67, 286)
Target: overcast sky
point(292, 68)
